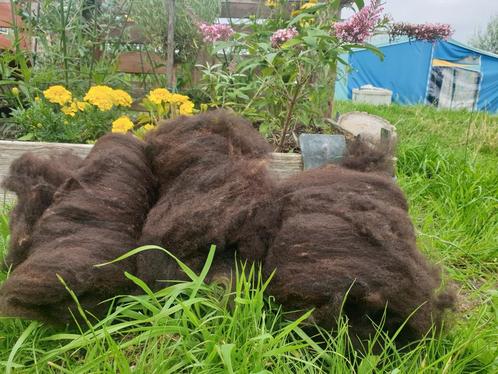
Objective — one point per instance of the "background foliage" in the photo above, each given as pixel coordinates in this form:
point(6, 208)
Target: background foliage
point(488, 38)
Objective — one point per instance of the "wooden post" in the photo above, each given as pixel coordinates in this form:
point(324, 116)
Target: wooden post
point(170, 55)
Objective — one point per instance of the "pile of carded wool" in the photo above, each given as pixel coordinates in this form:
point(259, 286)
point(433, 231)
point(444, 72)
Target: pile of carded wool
point(337, 237)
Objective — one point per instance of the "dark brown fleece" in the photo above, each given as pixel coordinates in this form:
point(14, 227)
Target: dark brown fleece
point(213, 189)
point(34, 179)
point(348, 232)
point(96, 216)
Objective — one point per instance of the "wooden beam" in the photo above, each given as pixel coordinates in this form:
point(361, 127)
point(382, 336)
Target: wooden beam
point(170, 47)
point(247, 8)
point(137, 62)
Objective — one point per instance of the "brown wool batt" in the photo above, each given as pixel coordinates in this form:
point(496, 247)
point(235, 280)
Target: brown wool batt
point(342, 232)
point(96, 216)
point(213, 189)
point(34, 179)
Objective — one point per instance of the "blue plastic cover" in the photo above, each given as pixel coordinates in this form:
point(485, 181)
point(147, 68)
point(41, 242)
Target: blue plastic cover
point(404, 70)
point(407, 71)
point(341, 83)
point(488, 94)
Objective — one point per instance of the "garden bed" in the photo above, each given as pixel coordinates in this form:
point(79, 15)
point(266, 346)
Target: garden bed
point(282, 165)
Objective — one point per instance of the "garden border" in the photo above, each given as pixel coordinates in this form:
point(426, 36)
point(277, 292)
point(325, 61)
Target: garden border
point(282, 165)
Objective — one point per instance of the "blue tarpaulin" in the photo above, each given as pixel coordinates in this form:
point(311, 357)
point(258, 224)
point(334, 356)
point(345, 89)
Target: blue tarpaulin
point(447, 74)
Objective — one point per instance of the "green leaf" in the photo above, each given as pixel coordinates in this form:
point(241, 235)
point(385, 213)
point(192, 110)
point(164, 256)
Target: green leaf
point(310, 41)
point(28, 136)
point(270, 57)
point(225, 352)
point(359, 3)
point(318, 33)
point(26, 333)
point(291, 43)
point(304, 15)
point(368, 364)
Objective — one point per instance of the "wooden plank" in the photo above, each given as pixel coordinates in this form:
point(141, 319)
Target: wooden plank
point(247, 8)
point(281, 166)
point(11, 150)
point(137, 62)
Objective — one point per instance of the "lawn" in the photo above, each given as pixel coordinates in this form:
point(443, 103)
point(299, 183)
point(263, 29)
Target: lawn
point(448, 167)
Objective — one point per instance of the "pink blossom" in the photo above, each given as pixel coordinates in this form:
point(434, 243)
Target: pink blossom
point(215, 32)
point(429, 31)
point(361, 25)
point(282, 35)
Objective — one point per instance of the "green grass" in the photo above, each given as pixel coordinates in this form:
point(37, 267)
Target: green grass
point(448, 167)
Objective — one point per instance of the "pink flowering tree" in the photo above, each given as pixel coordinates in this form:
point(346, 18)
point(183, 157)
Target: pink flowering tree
point(430, 32)
point(361, 25)
point(215, 32)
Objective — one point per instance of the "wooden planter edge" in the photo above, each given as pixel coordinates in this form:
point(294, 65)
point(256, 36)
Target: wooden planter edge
point(282, 165)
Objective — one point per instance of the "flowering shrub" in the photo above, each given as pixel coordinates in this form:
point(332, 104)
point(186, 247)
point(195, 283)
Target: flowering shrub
point(286, 71)
point(361, 25)
point(429, 32)
point(215, 32)
point(280, 36)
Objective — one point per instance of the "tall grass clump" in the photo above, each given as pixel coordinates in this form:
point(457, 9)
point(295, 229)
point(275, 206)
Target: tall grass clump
point(193, 327)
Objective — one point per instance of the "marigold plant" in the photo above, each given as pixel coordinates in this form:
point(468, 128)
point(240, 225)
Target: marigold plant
point(122, 125)
point(101, 96)
point(163, 104)
point(122, 98)
point(61, 116)
point(57, 95)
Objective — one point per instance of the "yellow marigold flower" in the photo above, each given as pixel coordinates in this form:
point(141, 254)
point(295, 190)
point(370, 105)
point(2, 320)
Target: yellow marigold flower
point(179, 99)
point(122, 98)
point(271, 3)
point(57, 95)
point(308, 5)
point(15, 91)
point(122, 125)
point(149, 126)
point(81, 105)
point(100, 96)
point(159, 95)
point(70, 110)
point(187, 108)
point(305, 23)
